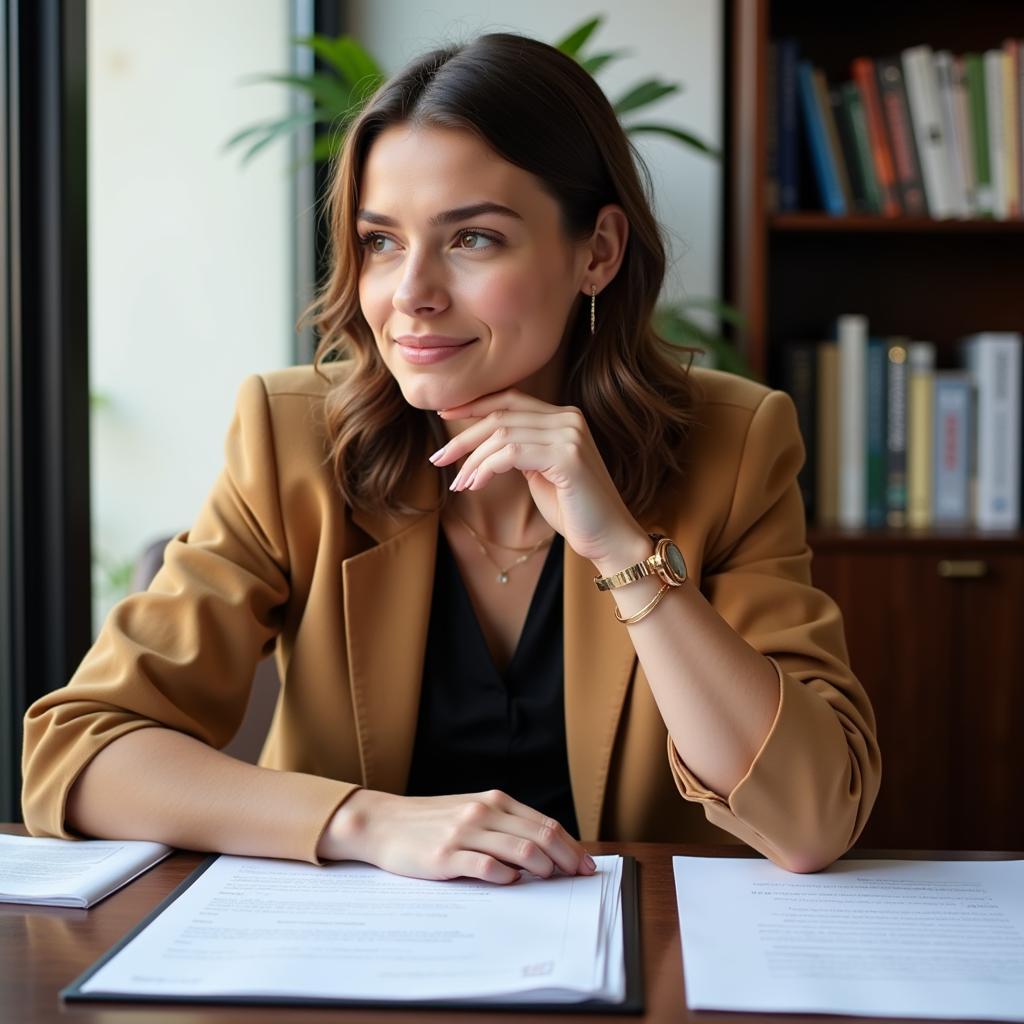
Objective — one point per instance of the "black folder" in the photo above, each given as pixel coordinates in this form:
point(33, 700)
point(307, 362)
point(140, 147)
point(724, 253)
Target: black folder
point(632, 1004)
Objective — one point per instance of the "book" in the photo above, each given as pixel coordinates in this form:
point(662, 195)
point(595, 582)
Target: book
point(896, 434)
point(994, 362)
point(893, 94)
point(852, 339)
point(863, 71)
point(964, 136)
point(926, 116)
point(826, 489)
point(825, 170)
point(974, 70)
point(1011, 127)
point(945, 75)
point(877, 451)
point(71, 873)
point(951, 449)
point(824, 104)
point(920, 395)
point(857, 120)
point(859, 200)
point(997, 160)
point(348, 934)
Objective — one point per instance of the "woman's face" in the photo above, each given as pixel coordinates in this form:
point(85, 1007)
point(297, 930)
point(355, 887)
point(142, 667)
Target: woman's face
point(466, 251)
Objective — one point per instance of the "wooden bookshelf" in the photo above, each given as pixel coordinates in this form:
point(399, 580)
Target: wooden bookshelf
point(932, 617)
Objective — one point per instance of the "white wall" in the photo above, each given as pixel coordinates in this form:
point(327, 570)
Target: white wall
point(680, 41)
point(189, 255)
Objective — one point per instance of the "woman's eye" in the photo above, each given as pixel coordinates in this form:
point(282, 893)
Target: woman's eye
point(479, 240)
point(371, 241)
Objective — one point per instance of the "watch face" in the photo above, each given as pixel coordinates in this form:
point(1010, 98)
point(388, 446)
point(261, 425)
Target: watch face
point(674, 558)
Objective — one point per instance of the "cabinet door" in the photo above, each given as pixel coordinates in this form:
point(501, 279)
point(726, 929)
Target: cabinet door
point(987, 743)
point(897, 630)
point(939, 645)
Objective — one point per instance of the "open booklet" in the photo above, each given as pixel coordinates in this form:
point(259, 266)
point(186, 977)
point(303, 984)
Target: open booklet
point(256, 930)
point(70, 873)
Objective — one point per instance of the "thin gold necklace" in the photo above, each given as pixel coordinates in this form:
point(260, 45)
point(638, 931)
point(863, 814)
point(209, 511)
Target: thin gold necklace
point(503, 572)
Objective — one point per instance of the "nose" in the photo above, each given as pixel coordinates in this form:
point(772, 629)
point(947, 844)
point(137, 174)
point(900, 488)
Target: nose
point(421, 291)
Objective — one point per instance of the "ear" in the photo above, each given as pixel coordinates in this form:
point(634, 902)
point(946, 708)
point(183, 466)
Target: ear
point(606, 248)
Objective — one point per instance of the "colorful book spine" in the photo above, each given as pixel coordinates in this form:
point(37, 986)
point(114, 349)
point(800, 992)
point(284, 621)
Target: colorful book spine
point(877, 461)
point(788, 163)
point(821, 156)
point(863, 71)
point(1011, 127)
point(964, 140)
point(975, 74)
point(859, 200)
point(893, 96)
point(896, 434)
point(926, 117)
point(920, 394)
point(956, 176)
point(826, 497)
point(799, 379)
point(854, 108)
point(852, 339)
point(996, 132)
point(994, 360)
point(951, 449)
point(821, 94)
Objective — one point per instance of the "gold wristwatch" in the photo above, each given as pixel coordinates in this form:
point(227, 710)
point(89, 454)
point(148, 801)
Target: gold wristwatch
point(667, 563)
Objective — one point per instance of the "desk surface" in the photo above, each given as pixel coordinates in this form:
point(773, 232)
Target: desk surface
point(42, 949)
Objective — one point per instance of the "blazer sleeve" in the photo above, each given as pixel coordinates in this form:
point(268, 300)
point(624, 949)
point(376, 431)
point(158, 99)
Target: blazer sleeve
point(811, 786)
point(181, 656)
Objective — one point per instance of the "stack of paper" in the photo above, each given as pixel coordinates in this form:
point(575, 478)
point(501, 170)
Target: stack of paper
point(897, 938)
point(65, 873)
point(269, 930)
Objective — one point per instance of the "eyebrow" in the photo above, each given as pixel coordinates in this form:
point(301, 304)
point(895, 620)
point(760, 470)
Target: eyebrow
point(447, 217)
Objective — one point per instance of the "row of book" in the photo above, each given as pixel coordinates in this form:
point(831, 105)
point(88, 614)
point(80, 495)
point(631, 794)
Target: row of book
point(893, 441)
point(919, 133)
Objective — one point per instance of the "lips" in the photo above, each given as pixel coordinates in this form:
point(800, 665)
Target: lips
point(431, 341)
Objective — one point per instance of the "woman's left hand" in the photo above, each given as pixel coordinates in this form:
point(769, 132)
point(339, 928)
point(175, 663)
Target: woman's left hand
point(553, 448)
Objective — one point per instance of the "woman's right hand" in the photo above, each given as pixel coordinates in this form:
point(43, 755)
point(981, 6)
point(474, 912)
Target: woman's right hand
point(487, 835)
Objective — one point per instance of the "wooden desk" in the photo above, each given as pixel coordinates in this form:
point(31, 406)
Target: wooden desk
point(42, 949)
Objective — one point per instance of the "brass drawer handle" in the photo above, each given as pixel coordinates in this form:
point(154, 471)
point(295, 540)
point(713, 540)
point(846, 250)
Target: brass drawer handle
point(962, 569)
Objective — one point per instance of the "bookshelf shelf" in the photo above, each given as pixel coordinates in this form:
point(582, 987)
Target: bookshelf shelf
point(813, 221)
point(939, 648)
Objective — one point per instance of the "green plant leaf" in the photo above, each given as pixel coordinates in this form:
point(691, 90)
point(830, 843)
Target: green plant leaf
point(644, 93)
point(594, 64)
point(327, 90)
point(353, 63)
point(573, 42)
point(274, 130)
point(679, 134)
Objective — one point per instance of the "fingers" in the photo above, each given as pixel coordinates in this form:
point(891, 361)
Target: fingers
point(511, 440)
point(496, 828)
point(502, 419)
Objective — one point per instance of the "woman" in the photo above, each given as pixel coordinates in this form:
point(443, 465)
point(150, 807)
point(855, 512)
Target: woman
point(435, 530)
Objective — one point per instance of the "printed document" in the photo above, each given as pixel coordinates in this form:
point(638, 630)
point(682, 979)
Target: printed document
point(871, 937)
point(252, 926)
point(70, 873)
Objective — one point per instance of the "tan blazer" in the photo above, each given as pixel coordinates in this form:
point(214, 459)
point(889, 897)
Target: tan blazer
point(277, 562)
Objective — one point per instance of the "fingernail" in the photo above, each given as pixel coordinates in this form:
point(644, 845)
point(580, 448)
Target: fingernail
point(590, 862)
point(437, 454)
point(469, 481)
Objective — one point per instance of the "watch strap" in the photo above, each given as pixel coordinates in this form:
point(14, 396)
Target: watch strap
point(631, 573)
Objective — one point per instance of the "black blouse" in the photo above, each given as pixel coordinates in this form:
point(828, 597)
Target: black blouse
point(482, 729)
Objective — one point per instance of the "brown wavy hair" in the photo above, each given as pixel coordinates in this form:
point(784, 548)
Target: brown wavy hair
point(538, 109)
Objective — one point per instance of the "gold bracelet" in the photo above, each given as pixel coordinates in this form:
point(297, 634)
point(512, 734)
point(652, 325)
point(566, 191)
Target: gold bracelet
point(647, 608)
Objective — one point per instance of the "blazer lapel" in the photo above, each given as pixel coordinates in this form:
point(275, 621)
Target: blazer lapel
point(387, 594)
point(600, 664)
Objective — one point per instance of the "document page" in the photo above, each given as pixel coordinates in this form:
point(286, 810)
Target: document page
point(69, 873)
point(254, 926)
point(874, 937)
